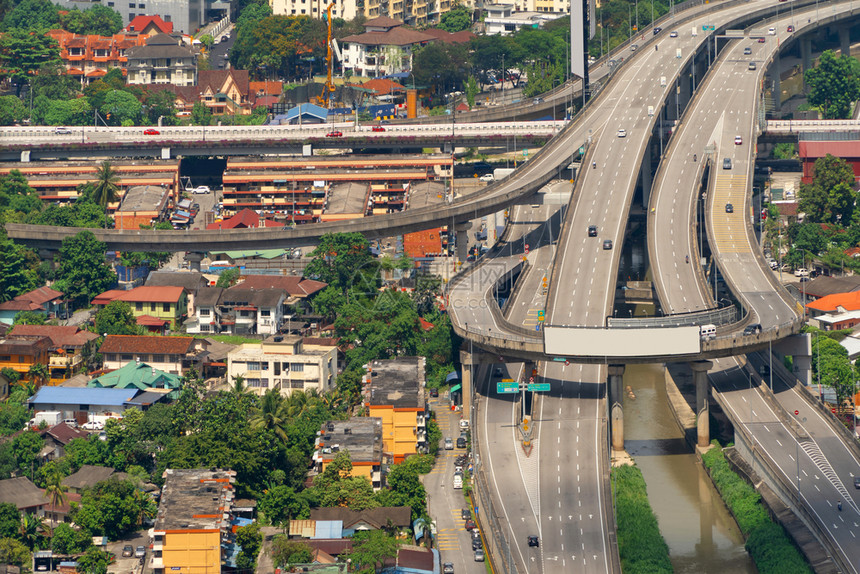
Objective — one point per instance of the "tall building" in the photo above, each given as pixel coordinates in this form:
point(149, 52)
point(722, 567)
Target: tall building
point(187, 16)
point(193, 521)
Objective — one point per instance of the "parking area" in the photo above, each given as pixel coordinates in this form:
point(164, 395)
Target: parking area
point(130, 564)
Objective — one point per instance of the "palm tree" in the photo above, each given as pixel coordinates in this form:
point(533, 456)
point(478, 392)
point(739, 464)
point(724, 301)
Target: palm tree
point(28, 529)
point(239, 386)
point(38, 373)
point(297, 403)
point(271, 415)
point(55, 492)
point(106, 186)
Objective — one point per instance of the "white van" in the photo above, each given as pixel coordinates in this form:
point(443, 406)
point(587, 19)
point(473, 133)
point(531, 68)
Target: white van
point(662, 81)
point(695, 31)
point(708, 332)
point(458, 481)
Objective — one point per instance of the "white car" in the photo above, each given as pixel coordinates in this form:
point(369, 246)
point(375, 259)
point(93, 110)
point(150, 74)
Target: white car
point(771, 31)
point(622, 133)
point(201, 189)
point(802, 272)
point(739, 140)
point(93, 425)
point(487, 177)
point(61, 130)
point(673, 34)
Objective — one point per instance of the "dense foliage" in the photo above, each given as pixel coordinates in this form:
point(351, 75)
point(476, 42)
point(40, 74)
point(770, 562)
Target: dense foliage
point(83, 272)
point(767, 543)
point(640, 544)
point(834, 85)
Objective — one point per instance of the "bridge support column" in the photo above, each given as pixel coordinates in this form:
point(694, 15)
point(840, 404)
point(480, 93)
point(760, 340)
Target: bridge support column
point(802, 367)
point(800, 348)
point(703, 419)
point(468, 362)
point(776, 94)
point(194, 260)
point(462, 230)
point(845, 40)
point(616, 409)
point(645, 174)
point(805, 57)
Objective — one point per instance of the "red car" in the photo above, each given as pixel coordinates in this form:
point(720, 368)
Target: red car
point(151, 132)
point(761, 40)
point(334, 134)
point(378, 129)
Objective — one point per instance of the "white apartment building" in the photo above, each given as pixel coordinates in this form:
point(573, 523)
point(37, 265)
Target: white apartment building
point(414, 13)
point(286, 363)
point(506, 19)
point(384, 48)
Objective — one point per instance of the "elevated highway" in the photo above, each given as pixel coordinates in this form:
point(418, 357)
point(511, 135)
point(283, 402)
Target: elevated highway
point(802, 449)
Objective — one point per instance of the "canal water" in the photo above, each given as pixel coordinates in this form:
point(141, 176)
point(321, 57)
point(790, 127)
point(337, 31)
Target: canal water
point(702, 536)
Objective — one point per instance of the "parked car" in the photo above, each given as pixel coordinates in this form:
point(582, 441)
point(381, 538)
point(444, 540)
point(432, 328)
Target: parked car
point(140, 552)
point(127, 551)
point(434, 392)
point(93, 425)
point(201, 189)
point(465, 513)
point(801, 272)
point(857, 482)
point(476, 543)
point(479, 555)
point(151, 132)
point(470, 524)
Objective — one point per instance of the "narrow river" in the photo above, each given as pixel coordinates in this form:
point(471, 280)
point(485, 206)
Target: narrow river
point(702, 536)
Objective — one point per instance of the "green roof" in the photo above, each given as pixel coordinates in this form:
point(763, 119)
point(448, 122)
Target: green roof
point(139, 375)
point(261, 253)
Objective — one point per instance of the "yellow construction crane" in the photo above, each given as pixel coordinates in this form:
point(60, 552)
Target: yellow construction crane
point(329, 88)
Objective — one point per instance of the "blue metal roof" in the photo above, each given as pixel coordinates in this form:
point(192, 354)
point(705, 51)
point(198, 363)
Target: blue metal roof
point(308, 109)
point(328, 529)
point(453, 375)
point(83, 396)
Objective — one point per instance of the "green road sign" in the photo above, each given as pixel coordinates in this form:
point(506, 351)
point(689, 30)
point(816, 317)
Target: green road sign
point(559, 359)
point(503, 388)
point(539, 386)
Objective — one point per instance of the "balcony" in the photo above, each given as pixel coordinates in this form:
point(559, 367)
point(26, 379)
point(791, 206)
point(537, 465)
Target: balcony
point(64, 361)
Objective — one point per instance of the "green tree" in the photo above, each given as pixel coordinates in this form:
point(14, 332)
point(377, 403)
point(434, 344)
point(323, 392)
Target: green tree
point(29, 318)
point(14, 553)
point(442, 66)
point(67, 540)
point(286, 552)
point(116, 318)
point(38, 373)
point(16, 276)
point(271, 415)
point(30, 529)
point(55, 492)
point(161, 104)
point(9, 519)
point(121, 108)
point(25, 448)
point(370, 548)
point(94, 561)
point(337, 487)
point(71, 112)
point(457, 19)
point(12, 110)
point(83, 272)
point(785, 150)
point(328, 301)
point(106, 185)
point(228, 278)
point(201, 114)
point(282, 503)
point(110, 508)
point(22, 52)
point(344, 261)
point(249, 539)
point(832, 366)
point(99, 20)
point(278, 42)
point(32, 15)
point(404, 489)
point(833, 85)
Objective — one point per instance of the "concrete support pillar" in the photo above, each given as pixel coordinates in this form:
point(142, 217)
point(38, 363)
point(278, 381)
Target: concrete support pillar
point(845, 40)
point(468, 363)
point(462, 230)
point(645, 175)
point(616, 409)
point(805, 57)
point(194, 260)
point(777, 87)
point(802, 366)
point(703, 421)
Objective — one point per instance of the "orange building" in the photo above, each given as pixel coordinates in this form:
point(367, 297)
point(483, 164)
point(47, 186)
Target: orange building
point(21, 353)
point(90, 57)
point(362, 437)
point(394, 392)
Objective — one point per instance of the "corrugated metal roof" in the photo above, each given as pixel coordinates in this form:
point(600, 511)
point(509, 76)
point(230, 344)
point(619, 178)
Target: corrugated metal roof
point(329, 529)
point(83, 396)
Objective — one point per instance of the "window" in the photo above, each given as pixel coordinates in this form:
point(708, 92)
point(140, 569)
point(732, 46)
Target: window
point(127, 357)
point(138, 306)
point(110, 4)
point(84, 408)
point(265, 313)
point(253, 366)
point(298, 367)
point(131, 15)
point(6, 358)
point(168, 18)
point(297, 384)
point(158, 358)
point(152, 306)
point(131, 4)
point(204, 328)
point(254, 382)
point(264, 366)
point(204, 312)
point(166, 307)
point(142, 6)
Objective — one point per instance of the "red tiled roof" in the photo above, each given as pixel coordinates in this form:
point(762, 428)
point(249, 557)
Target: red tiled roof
point(787, 209)
point(394, 37)
point(247, 218)
point(140, 23)
point(383, 22)
point(272, 88)
point(830, 303)
point(40, 296)
point(107, 296)
point(853, 252)
point(295, 286)
point(322, 341)
point(151, 293)
point(61, 336)
point(64, 434)
point(462, 37)
point(146, 345)
point(19, 306)
point(383, 86)
point(815, 149)
point(150, 321)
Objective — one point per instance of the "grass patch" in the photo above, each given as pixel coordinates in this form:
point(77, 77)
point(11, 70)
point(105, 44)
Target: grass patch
point(767, 543)
point(640, 544)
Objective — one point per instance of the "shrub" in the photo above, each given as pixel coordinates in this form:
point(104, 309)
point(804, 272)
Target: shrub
point(640, 544)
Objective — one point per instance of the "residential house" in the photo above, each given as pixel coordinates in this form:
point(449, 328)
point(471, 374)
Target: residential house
point(167, 304)
point(385, 48)
point(362, 437)
point(149, 25)
point(42, 300)
point(56, 438)
point(507, 19)
point(824, 285)
point(837, 321)
point(67, 343)
point(26, 497)
point(380, 518)
point(194, 521)
point(88, 57)
point(248, 310)
point(83, 403)
point(23, 352)
point(835, 303)
point(163, 60)
point(171, 354)
point(89, 475)
point(137, 375)
point(245, 219)
point(299, 290)
point(302, 114)
point(226, 91)
point(191, 281)
point(284, 363)
point(207, 316)
point(394, 391)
